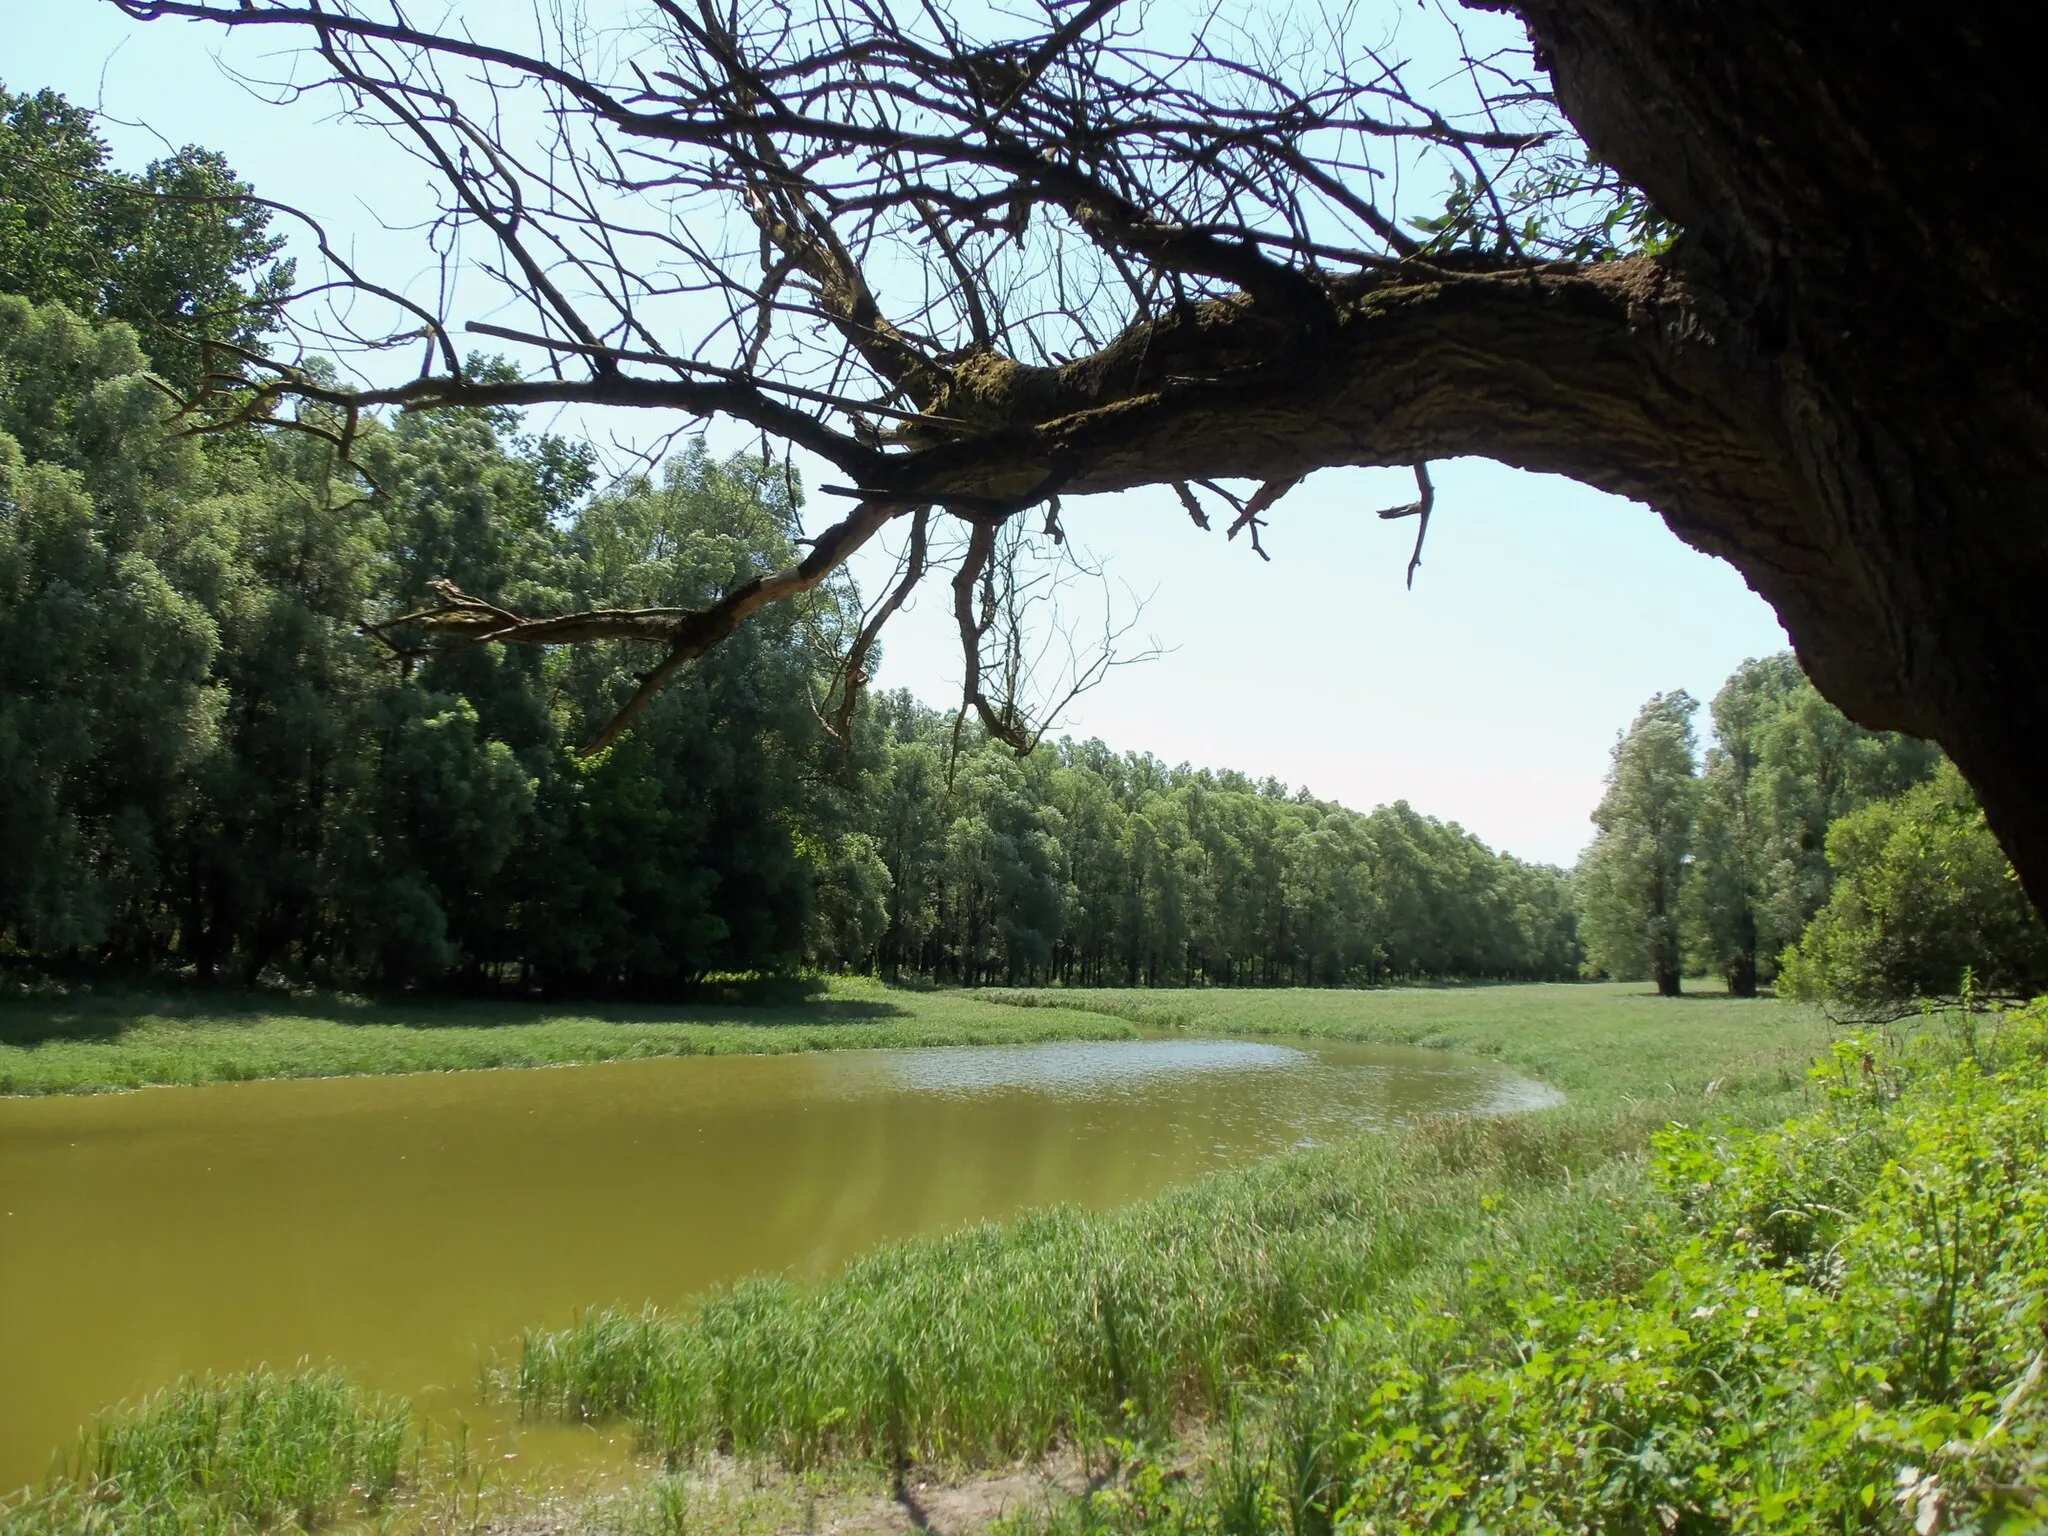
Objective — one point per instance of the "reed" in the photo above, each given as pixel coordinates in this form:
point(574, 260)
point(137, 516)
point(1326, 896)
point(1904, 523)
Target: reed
point(1004, 1341)
point(219, 1456)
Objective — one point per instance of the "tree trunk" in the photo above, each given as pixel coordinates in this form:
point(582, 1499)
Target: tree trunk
point(1740, 971)
point(1835, 166)
point(1667, 978)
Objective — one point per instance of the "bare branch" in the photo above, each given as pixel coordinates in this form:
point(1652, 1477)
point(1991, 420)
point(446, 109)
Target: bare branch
point(1419, 509)
point(461, 620)
point(853, 669)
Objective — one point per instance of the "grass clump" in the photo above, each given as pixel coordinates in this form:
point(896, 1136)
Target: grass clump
point(1847, 1330)
point(86, 1044)
point(1003, 1341)
point(259, 1451)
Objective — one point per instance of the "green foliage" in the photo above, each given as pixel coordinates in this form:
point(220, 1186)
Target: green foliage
point(211, 766)
point(1085, 867)
point(106, 697)
point(263, 1451)
point(177, 251)
point(1631, 880)
point(1845, 1332)
point(1784, 766)
point(1924, 905)
point(1560, 204)
point(207, 763)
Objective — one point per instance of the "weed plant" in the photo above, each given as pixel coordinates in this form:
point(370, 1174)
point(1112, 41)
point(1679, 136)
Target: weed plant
point(1846, 1331)
point(261, 1451)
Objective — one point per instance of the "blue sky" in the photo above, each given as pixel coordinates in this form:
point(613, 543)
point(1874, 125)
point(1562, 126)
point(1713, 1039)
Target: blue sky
point(1543, 615)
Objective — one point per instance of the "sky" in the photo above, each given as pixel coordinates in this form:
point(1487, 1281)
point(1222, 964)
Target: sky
point(1543, 615)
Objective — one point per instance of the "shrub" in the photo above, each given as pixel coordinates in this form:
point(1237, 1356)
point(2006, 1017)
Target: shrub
point(1922, 894)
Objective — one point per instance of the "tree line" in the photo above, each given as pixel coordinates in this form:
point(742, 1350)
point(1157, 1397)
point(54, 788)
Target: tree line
point(1846, 866)
point(1082, 866)
point(223, 753)
point(212, 762)
point(213, 759)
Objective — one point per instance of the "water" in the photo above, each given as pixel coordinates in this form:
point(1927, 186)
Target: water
point(406, 1227)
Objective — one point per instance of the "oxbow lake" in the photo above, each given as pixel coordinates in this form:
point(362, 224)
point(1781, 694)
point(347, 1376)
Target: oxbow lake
point(408, 1227)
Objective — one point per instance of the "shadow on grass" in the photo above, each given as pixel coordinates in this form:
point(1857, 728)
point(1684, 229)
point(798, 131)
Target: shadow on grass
point(106, 1016)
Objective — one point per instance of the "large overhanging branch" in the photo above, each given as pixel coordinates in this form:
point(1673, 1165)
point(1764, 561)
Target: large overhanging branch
point(1075, 255)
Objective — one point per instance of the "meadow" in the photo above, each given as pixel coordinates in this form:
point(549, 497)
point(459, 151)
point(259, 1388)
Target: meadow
point(88, 1042)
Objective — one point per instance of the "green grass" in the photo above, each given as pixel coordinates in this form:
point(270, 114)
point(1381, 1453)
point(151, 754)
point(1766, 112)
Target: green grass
point(87, 1043)
point(1154, 1334)
point(259, 1451)
point(1844, 1331)
point(1008, 1339)
point(1601, 1042)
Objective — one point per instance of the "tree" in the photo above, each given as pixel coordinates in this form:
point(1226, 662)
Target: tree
point(1924, 905)
point(182, 252)
point(1784, 765)
point(1632, 878)
point(105, 696)
point(1752, 264)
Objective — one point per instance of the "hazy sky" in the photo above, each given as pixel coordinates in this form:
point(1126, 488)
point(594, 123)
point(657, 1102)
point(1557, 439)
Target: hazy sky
point(1543, 615)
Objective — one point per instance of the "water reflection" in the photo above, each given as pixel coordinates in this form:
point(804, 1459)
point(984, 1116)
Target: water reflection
point(1080, 1067)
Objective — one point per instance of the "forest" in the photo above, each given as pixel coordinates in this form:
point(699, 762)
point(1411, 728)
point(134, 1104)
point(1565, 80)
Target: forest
point(223, 752)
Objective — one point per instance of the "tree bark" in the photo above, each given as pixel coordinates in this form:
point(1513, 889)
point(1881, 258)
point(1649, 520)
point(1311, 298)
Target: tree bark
point(1837, 168)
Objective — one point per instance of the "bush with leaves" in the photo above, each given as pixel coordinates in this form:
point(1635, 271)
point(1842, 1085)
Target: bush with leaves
point(1924, 904)
point(1850, 1333)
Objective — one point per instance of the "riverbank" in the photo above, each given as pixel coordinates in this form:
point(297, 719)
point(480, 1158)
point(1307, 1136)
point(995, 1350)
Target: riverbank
point(1574, 1313)
point(1600, 1042)
point(82, 1042)
point(1809, 1309)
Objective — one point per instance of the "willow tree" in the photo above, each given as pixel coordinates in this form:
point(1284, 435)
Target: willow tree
point(1760, 266)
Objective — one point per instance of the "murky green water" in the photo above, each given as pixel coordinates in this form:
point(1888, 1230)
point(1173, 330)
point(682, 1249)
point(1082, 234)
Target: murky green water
point(406, 1226)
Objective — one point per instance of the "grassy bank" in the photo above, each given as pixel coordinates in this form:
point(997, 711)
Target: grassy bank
point(1602, 1042)
point(1845, 1329)
point(1005, 1340)
point(1815, 1303)
point(1562, 1322)
point(84, 1043)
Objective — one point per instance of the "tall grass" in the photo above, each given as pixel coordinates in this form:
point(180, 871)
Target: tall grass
point(1847, 1330)
point(221, 1456)
point(1004, 1340)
